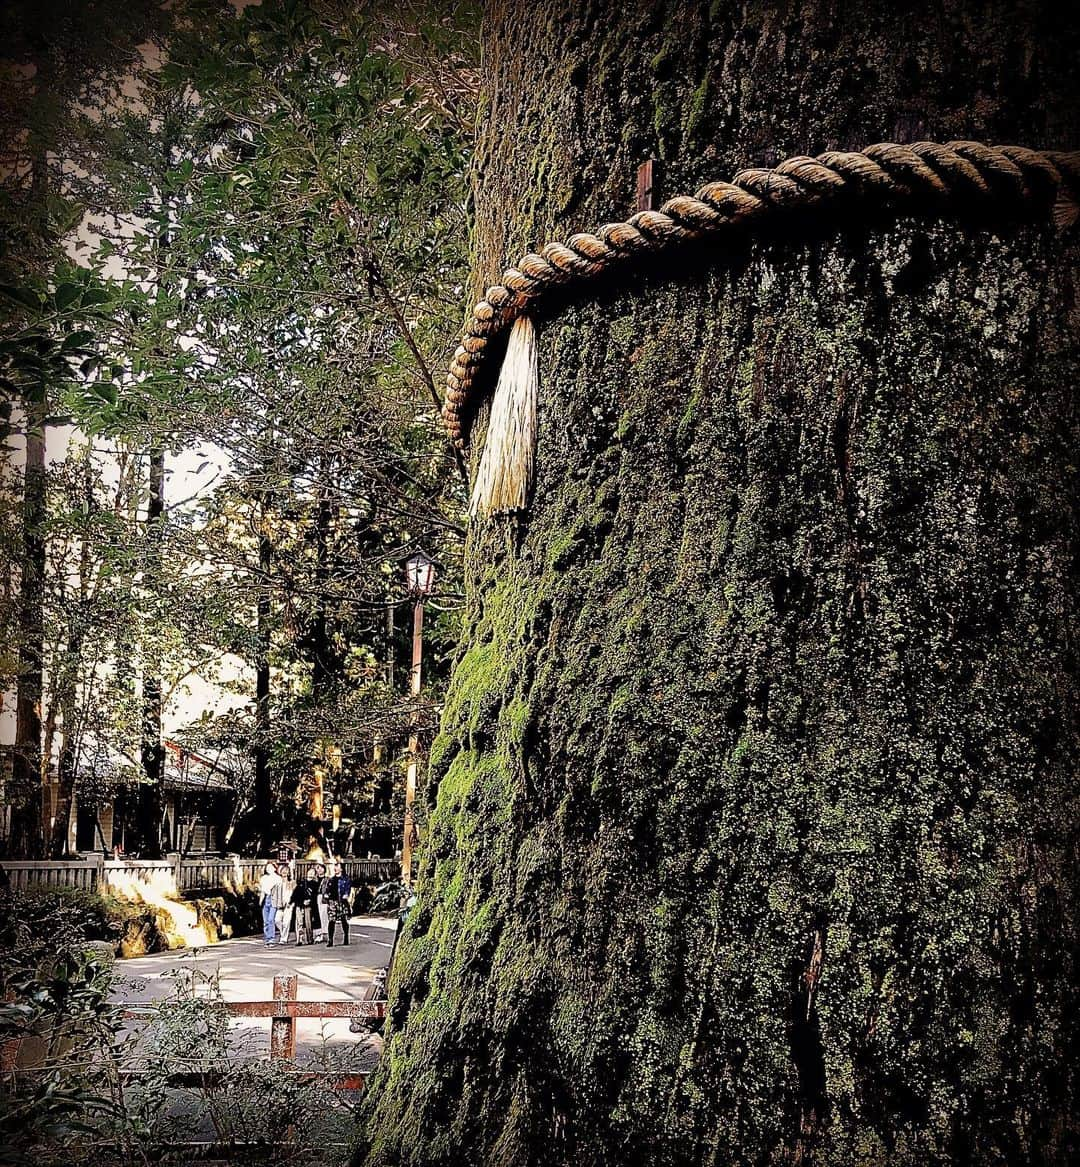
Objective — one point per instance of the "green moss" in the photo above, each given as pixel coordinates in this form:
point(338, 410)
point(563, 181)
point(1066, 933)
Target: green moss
point(439, 756)
point(780, 657)
point(679, 742)
point(477, 679)
point(517, 719)
point(696, 108)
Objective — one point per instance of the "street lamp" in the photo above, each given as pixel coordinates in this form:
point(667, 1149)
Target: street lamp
point(420, 573)
point(420, 576)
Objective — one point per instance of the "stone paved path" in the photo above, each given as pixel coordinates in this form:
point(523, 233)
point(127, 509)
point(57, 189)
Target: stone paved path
point(245, 970)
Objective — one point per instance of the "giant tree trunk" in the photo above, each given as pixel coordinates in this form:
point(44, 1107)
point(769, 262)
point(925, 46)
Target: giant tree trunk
point(65, 685)
point(755, 832)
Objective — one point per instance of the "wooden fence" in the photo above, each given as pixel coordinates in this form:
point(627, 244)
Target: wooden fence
point(370, 871)
point(81, 873)
point(135, 877)
point(234, 874)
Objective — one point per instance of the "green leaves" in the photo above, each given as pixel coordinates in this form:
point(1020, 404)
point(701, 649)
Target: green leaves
point(69, 296)
point(23, 297)
point(66, 295)
point(52, 348)
point(95, 297)
point(75, 340)
point(277, 291)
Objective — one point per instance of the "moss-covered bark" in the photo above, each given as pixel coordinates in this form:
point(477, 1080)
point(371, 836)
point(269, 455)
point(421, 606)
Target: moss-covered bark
point(755, 808)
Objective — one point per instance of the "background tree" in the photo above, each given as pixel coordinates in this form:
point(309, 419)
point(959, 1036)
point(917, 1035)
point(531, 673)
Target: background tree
point(267, 210)
point(91, 611)
point(60, 65)
point(754, 834)
point(320, 235)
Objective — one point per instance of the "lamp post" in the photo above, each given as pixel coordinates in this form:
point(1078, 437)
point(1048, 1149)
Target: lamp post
point(420, 575)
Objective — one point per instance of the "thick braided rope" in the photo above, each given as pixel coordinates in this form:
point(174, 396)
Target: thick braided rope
point(925, 176)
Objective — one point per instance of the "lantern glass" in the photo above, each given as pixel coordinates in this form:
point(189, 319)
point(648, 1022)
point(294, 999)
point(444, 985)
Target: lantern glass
point(420, 573)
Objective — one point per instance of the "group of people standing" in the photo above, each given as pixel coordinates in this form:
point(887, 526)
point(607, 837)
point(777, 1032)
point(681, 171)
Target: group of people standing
point(313, 907)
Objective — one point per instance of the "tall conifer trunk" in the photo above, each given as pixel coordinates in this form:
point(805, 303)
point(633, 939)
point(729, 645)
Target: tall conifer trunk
point(754, 811)
point(26, 795)
point(152, 796)
point(28, 765)
point(56, 828)
point(152, 748)
point(263, 794)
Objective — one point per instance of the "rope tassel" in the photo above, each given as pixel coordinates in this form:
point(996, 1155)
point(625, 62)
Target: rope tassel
point(506, 466)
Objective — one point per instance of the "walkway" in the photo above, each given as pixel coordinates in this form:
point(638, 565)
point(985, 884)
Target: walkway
point(245, 971)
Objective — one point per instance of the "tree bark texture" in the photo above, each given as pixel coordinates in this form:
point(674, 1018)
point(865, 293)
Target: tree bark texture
point(754, 814)
point(56, 826)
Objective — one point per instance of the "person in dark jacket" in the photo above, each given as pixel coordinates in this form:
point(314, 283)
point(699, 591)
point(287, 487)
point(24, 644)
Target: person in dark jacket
point(318, 908)
point(336, 893)
point(302, 901)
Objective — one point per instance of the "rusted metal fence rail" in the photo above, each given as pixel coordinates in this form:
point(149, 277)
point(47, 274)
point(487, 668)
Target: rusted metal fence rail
point(283, 1010)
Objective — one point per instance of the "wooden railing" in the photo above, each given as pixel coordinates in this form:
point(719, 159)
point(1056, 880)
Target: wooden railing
point(81, 873)
point(234, 874)
point(135, 877)
point(372, 871)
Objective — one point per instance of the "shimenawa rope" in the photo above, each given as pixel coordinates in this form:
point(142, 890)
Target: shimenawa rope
point(946, 179)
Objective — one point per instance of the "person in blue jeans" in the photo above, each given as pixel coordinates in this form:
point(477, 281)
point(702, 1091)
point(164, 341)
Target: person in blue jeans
point(269, 893)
